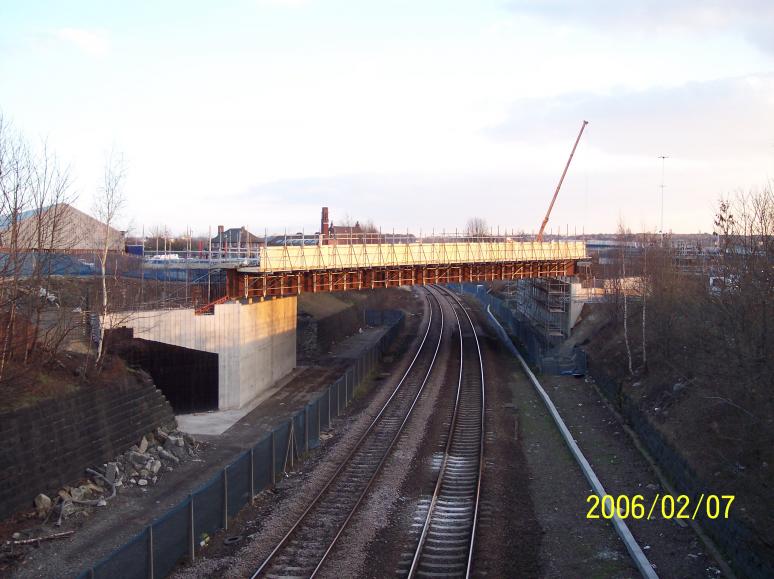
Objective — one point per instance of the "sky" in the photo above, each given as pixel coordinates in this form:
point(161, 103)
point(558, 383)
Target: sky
point(415, 115)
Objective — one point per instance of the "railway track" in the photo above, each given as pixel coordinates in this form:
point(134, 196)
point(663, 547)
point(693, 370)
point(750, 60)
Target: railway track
point(447, 538)
point(305, 547)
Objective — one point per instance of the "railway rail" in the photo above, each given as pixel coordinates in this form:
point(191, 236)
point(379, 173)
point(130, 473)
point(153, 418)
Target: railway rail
point(446, 542)
point(305, 547)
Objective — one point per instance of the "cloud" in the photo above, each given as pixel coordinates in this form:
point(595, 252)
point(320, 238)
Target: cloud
point(93, 42)
point(700, 120)
point(753, 18)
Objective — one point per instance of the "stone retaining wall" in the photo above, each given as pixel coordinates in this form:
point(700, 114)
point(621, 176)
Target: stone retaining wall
point(47, 446)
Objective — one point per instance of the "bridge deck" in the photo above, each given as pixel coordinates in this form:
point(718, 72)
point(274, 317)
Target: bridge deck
point(366, 255)
point(290, 270)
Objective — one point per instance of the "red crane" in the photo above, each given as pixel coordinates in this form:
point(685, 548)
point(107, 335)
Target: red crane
point(559, 186)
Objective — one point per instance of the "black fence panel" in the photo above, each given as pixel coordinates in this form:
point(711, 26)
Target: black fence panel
point(130, 561)
point(208, 509)
point(238, 481)
point(313, 411)
point(262, 465)
point(281, 437)
point(299, 424)
point(335, 399)
point(170, 539)
point(325, 401)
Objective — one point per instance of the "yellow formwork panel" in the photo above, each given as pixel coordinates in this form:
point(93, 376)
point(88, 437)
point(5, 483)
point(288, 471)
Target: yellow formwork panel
point(316, 257)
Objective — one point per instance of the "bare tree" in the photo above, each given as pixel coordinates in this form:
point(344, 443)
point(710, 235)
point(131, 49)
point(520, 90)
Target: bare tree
point(476, 227)
point(34, 192)
point(624, 234)
point(108, 204)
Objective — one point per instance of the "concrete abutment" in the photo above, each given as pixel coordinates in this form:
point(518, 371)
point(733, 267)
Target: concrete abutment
point(255, 342)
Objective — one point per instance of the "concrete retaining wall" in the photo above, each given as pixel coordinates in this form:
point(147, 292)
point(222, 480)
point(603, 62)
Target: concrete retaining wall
point(255, 342)
point(47, 446)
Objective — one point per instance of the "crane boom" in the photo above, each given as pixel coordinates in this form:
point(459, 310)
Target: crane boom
point(559, 186)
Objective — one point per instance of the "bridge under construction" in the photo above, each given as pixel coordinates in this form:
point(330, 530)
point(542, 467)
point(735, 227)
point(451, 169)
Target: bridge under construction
point(290, 270)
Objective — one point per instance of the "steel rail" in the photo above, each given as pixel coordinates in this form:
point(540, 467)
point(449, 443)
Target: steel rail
point(447, 452)
point(447, 449)
point(283, 542)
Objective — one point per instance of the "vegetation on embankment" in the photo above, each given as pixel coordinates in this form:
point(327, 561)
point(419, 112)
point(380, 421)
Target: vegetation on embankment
point(693, 348)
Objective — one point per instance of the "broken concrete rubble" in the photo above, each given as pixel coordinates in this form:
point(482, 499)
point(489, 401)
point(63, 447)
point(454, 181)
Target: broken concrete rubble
point(140, 466)
point(42, 505)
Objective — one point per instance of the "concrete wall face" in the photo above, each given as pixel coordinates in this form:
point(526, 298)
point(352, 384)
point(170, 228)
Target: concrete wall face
point(255, 343)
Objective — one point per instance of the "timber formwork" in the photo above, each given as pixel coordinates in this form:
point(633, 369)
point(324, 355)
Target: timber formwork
point(257, 284)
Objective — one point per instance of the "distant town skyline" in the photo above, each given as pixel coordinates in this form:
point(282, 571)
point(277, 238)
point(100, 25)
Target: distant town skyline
point(413, 115)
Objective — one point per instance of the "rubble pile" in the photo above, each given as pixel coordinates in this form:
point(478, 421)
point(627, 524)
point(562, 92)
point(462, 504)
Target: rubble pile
point(141, 466)
point(156, 453)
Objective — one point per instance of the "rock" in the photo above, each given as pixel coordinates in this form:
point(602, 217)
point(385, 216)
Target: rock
point(95, 488)
point(137, 459)
point(155, 479)
point(143, 446)
point(144, 472)
point(677, 387)
point(168, 455)
point(132, 481)
point(651, 487)
point(161, 433)
point(78, 493)
point(68, 509)
point(102, 503)
point(42, 505)
point(16, 536)
point(111, 472)
point(142, 482)
point(156, 467)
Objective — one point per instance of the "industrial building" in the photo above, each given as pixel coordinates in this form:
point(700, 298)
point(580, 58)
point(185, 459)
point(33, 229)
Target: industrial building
point(60, 228)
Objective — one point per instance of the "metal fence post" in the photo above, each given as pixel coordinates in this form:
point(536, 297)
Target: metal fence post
point(191, 535)
point(252, 475)
point(273, 458)
point(319, 421)
point(151, 571)
point(225, 498)
point(330, 391)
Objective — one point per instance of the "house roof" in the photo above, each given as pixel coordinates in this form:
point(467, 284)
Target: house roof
point(235, 235)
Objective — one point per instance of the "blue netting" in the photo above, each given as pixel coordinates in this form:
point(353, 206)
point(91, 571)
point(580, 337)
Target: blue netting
point(171, 541)
point(313, 411)
point(281, 435)
point(299, 423)
point(208, 509)
point(238, 484)
point(325, 401)
point(341, 395)
point(130, 561)
point(262, 464)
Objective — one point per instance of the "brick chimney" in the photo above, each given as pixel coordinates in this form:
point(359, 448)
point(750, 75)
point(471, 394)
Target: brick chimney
point(324, 223)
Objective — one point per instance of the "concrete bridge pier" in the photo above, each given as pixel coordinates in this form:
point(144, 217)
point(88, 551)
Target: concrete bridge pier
point(255, 341)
